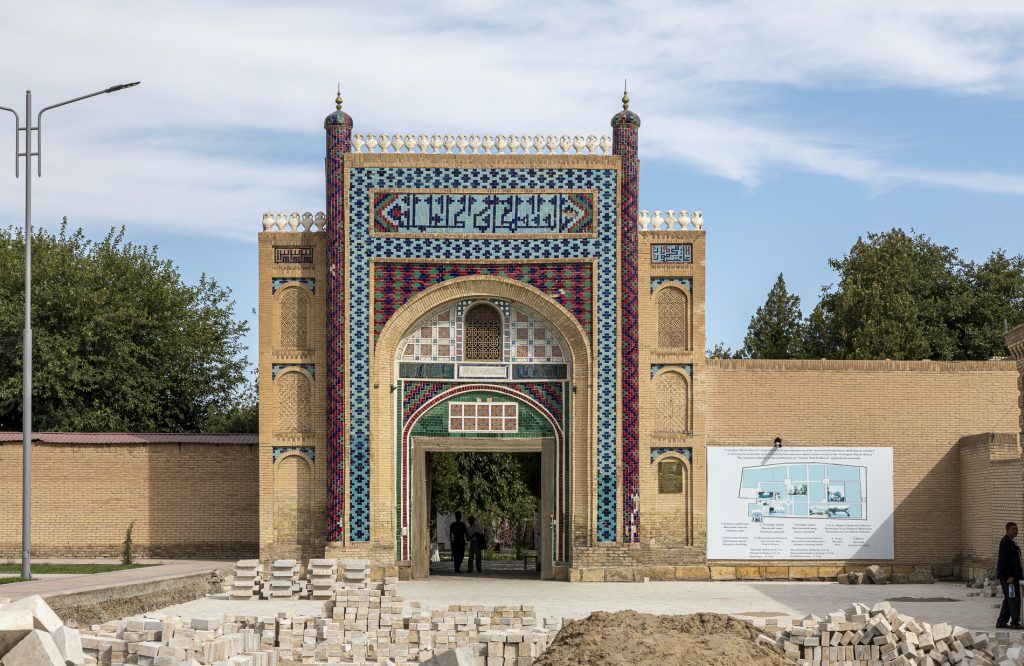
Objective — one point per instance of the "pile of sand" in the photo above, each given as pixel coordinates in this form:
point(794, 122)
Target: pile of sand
point(628, 638)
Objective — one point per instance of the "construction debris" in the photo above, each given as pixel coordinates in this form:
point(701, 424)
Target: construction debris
point(362, 622)
point(31, 634)
point(880, 634)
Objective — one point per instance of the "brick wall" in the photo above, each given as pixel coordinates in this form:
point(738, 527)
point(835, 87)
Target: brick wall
point(187, 500)
point(921, 409)
point(992, 493)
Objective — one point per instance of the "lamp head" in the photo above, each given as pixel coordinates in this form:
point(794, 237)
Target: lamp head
point(122, 87)
point(778, 442)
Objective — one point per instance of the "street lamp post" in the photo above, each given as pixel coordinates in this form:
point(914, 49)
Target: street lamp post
point(26, 381)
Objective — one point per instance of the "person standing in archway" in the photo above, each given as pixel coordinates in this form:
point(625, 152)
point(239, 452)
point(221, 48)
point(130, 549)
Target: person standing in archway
point(476, 544)
point(457, 537)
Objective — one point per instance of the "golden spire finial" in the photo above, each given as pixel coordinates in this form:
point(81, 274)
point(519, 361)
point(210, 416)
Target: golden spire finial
point(337, 100)
point(625, 95)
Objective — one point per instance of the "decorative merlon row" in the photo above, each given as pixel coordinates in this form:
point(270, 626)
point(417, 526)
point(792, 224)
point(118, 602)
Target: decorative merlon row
point(670, 221)
point(476, 145)
point(294, 222)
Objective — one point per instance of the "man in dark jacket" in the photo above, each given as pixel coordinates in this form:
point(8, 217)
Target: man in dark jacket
point(1009, 573)
point(457, 535)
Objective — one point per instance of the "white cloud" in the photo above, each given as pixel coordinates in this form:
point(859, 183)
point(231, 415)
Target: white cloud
point(699, 70)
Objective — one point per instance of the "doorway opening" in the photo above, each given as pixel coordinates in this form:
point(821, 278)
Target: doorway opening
point(506, 484)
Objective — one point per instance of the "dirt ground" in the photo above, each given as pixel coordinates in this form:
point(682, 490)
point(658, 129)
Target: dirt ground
point(626, 638)
point(84, 614)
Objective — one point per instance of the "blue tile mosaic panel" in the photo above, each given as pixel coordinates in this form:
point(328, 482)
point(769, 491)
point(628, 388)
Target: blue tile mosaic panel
point(362, 246)
point(685, 452)
point(308, 451)
point(278, 283)
point(685, 283)
point(278, 368)
point(672, 253)
point(685, 368)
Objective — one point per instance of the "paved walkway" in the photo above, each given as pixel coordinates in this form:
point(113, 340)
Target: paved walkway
point(48, 586)
point(941, 602)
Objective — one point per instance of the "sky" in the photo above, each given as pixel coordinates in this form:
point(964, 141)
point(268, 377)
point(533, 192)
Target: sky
point(796, 127)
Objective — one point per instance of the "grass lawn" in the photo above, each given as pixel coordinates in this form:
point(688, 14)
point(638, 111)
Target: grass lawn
point(15, 568)
point(15, 579)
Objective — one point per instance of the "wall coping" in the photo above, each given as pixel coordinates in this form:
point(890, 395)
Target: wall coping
point(810, 365)
point(133, 438)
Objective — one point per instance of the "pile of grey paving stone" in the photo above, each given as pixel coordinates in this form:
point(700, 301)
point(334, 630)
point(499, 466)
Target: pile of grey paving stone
point(362, 622)
point(31, 634)
point(862, 635)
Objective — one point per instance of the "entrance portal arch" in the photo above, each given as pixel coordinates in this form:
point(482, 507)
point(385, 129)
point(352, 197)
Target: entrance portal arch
point(398, 395)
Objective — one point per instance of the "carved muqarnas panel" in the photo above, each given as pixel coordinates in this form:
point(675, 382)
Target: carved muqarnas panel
point(672, 318)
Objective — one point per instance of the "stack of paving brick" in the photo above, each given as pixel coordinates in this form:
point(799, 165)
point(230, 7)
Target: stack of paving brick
point(284, 580)
point(355, 573)
point(880, 635)
point(377, 625)
point(364, 622)
point(31, 634)
point(323, 577)
point(248, 579)
point(232, 641)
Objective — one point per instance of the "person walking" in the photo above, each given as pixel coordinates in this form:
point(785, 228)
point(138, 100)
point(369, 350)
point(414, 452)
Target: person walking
point(476, 544)
point(1009, 573)
point(457, 537)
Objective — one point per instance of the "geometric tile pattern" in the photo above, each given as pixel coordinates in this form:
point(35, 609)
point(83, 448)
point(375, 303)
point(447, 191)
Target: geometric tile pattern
point(468, 212)
point(685, 452)
point(278, 368)
point(277, 283)
point(403, 266)
point(571, 284)
point(483, 417)
point(672, 253)
point(624, 138)
point(685, 368)
point(527, 338)
point(339, 141)
point(681, 282)
point(293, 254)
point(308, 451)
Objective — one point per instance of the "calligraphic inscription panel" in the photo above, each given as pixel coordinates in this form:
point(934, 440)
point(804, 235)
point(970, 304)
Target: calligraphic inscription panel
point(672, 253)
point(475, 212)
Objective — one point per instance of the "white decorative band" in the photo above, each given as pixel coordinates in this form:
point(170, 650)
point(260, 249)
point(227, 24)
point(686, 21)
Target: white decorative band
point(294, 222)
point(671, 220)
point(476, 145)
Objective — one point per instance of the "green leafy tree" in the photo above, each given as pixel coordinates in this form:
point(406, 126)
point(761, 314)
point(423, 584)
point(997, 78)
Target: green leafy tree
point(899, 296)
point(777, 329)
point(995, 303)
point(721, 350)
point(122, 343)
point(494, 487)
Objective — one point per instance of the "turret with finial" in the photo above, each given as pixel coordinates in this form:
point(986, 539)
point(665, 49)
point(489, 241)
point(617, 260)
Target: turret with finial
point(625, 117)
point(339, 117)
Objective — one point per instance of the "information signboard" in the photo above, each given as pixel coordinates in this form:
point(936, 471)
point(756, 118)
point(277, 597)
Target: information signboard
point(799, 503)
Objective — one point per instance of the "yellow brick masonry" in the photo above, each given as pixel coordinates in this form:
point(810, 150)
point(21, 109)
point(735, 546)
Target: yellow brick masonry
point(187, 500)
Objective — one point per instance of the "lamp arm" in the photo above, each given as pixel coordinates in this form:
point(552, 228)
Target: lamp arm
point(17, 137)
point(39, 125)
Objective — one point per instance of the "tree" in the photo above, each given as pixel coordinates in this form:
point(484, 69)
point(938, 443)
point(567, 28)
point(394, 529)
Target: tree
point(494, 487)
point(996, 303)
point(122, 343)
point(776, 329)
point(721, 350)
point(899, 296)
